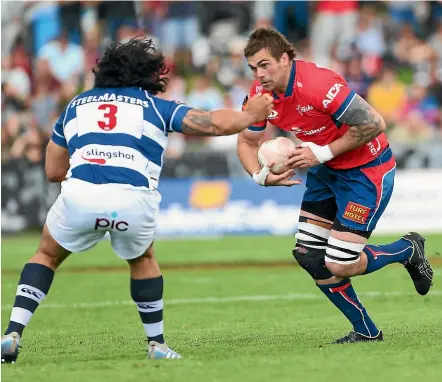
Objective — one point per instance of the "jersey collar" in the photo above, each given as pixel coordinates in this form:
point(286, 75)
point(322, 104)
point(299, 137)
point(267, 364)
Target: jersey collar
point(289, 89)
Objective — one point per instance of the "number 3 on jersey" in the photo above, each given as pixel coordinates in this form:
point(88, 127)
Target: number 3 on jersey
point(109, 115)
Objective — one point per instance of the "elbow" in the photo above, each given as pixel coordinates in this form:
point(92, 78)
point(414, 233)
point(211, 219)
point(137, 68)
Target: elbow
point(55, 176)
point(52, 178)
point(382, 126)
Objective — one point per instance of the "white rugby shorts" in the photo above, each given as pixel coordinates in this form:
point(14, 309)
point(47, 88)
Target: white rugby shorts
point(84, 212)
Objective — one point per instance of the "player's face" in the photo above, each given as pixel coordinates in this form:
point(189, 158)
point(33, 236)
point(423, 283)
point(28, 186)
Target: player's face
point(270, 72)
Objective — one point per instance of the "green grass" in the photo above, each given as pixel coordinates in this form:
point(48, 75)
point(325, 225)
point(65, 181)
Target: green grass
point(250, 324)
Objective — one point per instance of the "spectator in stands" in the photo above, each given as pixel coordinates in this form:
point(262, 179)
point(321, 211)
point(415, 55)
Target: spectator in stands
point(180, 27)
point(369, 40)
point(40, 73)
point(387, 95)
point(204, 95)
point(334, 23)
point(66, 59)
point(418, 100)
point(414, 129)
point(233, 65)
point(355, 76)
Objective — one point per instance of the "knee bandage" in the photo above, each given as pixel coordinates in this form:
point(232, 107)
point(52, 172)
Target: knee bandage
point(343, 252)
point(309, 252)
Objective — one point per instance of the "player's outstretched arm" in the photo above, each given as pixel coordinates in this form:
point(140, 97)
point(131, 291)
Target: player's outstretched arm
point(56, 163)
point(227, 122)
point(365, 125)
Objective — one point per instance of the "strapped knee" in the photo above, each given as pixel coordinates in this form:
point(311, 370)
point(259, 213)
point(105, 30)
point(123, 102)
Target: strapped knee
point(309, 252)
point(343, 252)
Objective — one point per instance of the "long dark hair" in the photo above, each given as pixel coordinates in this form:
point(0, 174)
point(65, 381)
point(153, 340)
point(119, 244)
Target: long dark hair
point(135, 63)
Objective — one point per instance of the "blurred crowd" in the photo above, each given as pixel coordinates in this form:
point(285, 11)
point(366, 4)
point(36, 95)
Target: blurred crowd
point(390, 52)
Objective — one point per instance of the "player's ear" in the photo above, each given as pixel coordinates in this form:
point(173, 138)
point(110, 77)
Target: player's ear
point(285, 60)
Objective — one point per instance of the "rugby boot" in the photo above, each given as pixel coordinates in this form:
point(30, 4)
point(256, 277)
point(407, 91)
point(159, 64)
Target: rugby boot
point(418, 265)
point(354, 337)
point(10, 347)
point(161, 351)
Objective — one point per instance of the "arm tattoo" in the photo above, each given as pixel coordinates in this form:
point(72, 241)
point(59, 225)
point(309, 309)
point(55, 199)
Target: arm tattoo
point(197, 122)
point(365, 124)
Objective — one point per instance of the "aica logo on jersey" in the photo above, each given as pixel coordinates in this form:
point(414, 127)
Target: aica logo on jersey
point(332, 93)
point(111, 224)
point(101, 156)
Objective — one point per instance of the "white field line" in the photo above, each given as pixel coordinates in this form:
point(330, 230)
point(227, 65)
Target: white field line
point(220, 300)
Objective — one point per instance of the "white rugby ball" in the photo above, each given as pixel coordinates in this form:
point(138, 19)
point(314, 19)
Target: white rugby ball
point(275, 151)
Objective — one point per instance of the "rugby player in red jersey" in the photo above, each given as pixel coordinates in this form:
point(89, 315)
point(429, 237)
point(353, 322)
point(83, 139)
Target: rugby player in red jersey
point(349, 181)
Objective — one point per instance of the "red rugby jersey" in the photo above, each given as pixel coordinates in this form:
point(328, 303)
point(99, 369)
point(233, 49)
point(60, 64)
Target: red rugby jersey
point(311, 106)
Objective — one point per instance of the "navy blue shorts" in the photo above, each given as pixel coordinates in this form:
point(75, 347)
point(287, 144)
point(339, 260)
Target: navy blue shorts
point(361, 193)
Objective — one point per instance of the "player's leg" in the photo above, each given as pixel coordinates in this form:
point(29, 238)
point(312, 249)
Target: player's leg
point(33, 286)
point(69, 228)
point(146, 287)
point(310, 252)
point(318, 211)
point(362, 198)
point(146, 283)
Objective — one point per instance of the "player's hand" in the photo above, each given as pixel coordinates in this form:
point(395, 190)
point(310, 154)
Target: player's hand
point(301, 157)
point(284, 179)
point(259, 106)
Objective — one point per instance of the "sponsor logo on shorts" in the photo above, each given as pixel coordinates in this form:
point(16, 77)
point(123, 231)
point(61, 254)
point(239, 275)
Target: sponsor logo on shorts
point(356, 212)
point(102, 156)
point(111, 224)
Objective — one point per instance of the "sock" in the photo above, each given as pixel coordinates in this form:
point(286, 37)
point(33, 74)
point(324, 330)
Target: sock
point(379, 256)
point(148, 295)
point(343, 296)
point(34, 284)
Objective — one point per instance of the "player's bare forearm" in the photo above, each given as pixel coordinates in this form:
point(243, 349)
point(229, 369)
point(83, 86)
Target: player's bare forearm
point(248, 152)
point(227, 122)
point(220, 122)
point(365, 125)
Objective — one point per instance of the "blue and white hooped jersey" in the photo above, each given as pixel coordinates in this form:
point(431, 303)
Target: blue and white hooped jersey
point(117, 135)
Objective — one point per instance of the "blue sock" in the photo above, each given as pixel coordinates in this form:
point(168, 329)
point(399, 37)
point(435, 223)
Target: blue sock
point(343, 296)
point(34, 284)
point(379, 256)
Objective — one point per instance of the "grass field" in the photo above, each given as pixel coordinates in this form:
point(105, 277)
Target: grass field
point(236, 308)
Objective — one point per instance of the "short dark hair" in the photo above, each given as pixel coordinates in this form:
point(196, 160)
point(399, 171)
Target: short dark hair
point(270, 39)
point(135, 63)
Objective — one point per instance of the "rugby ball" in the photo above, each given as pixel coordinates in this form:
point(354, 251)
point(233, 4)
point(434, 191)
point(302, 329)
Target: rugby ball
point(275, 151)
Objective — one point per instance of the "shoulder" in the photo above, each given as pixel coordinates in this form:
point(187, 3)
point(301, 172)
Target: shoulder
point(311, 74)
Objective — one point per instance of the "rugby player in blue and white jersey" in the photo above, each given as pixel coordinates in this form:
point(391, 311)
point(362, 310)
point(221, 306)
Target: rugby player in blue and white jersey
point(107, 150)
